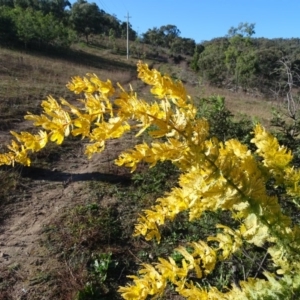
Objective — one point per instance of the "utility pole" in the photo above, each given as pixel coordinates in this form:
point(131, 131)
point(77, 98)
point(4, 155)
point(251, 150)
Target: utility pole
point(127, 34)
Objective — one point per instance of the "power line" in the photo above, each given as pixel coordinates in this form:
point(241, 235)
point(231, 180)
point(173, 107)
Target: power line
point(103, 4)
point(124, 5)
point(113, 5)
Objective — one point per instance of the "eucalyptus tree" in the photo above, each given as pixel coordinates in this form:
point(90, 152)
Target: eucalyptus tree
point(87, 18)
point(240, 56)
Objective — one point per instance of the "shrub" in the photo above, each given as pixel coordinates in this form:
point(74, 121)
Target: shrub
point(221, 121)
point(215, 176)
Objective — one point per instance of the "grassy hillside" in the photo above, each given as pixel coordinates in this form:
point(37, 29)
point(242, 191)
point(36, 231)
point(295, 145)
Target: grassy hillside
point(67, 222)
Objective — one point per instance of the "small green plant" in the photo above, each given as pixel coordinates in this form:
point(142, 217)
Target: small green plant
point(223, 123)
point(101, 265)
point(99, 268)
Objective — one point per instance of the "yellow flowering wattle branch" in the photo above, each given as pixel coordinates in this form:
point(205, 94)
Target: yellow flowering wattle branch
point(153, 280)
point(214, 175)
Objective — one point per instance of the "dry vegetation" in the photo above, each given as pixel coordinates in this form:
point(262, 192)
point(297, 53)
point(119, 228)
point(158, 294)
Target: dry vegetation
point(66, 223)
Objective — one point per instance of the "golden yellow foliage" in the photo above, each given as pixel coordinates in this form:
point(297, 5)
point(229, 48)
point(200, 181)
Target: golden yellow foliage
point(214, 176)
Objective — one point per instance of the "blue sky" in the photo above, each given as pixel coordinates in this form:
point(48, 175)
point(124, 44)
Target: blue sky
point(206, 19)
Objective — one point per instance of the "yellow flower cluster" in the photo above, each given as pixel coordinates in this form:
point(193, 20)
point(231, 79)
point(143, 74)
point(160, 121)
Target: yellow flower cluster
point(214, 176)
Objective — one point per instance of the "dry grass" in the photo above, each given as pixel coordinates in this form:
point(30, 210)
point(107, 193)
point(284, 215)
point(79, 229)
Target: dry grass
point(239, 103)
point(27, 78)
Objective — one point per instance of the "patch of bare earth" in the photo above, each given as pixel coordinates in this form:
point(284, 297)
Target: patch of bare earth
point(45, 193)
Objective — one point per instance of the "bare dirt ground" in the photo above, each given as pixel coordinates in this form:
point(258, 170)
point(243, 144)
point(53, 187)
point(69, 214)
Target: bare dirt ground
point(58, 179)
point(44, 194)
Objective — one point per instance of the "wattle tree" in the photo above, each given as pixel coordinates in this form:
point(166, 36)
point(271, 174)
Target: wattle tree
point(214, 176)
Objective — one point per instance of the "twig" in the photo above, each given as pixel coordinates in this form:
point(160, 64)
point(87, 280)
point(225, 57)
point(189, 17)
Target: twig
point(261, 264)
point(135, 256)
point(70, 271)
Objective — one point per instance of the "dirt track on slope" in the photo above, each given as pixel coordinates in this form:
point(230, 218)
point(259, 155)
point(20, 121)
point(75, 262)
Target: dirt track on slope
point(43, 196)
